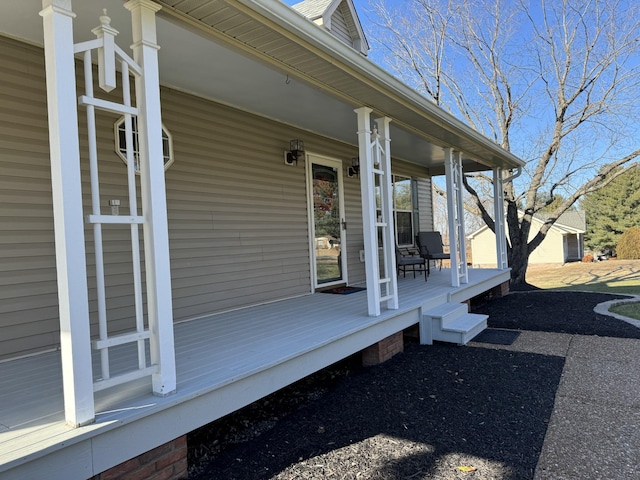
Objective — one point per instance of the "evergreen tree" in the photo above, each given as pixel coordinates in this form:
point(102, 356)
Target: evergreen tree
point(612, 210)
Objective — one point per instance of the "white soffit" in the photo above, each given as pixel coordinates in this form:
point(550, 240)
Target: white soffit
point(204, 62)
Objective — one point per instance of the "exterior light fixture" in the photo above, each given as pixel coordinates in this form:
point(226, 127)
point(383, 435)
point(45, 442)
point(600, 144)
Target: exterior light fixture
point(354, 169)
point(296, 150)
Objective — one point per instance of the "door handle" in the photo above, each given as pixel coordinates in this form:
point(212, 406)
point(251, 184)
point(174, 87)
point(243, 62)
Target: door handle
point(344, 224)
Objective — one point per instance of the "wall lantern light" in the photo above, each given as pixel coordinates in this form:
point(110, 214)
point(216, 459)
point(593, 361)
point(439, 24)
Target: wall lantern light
point(354, 169)
point(296, 150)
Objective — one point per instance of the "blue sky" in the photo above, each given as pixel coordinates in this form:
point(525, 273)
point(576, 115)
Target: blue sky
point(530, 124)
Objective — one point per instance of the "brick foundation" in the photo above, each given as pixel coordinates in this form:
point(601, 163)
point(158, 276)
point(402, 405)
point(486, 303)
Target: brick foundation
point(166, 462)
point(501, 290)
point(383, 350)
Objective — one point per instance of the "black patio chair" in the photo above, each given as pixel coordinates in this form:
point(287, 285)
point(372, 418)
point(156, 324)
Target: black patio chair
point(431, 248)
point(407, 259)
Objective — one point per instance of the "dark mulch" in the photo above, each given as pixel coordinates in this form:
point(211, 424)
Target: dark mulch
point(420, 415)
point(559, 312)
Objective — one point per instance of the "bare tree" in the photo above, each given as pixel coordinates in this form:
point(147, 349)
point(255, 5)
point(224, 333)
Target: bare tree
point(553, 82)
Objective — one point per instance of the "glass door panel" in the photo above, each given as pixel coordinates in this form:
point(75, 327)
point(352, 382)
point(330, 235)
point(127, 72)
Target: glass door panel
point(327, 224)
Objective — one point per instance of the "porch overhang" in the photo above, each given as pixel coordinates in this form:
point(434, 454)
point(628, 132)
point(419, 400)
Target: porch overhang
point(333, 79)
point(263, 57)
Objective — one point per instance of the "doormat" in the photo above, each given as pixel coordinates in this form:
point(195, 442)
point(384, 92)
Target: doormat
point(497, 336)
point(344, 290)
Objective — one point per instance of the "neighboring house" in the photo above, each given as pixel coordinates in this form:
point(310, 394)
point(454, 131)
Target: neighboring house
point(564, 241)
point(164, 211)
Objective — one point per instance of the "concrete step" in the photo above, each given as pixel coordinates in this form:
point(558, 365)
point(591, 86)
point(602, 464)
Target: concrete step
point(447, 312)
point(460, 330)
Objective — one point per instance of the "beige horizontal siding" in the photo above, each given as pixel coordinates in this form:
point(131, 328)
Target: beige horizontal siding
point(425, 204)
point(339, 25)
point(237, 214)
point(28, 289)
point(238, 227)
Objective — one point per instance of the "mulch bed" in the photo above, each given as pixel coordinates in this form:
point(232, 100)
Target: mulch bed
point(559, 312)
point(420, 415)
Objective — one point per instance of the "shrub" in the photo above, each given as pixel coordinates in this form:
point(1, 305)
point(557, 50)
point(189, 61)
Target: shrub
point(587, 258)
point(629, 244)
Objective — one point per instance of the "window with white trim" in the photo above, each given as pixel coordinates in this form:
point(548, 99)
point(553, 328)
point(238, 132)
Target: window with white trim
point(121, 145)
point(403, 211)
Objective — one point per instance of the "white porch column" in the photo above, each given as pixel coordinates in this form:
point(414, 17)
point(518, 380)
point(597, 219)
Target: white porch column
point(71, 267)
point(463, 269)
point(367, 195)
point(455, 213)
point(154, 203)
point(386, 192)
point(500, 231)
point(375, 169)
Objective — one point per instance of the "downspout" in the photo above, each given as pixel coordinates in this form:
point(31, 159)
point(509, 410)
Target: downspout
point(514, 176)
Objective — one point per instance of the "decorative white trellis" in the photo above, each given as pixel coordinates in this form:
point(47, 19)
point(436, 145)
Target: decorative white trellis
point(500, 230)
point(156, 342)
point(108, 54)
point(375, 173)
point(457, 247)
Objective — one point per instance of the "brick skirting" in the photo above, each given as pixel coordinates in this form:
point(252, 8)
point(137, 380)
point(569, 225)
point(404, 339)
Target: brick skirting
point(501, 290)
point(166, 462)
point(383, 350)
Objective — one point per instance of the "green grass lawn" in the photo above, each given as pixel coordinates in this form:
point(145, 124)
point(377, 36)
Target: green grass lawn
point(631, 310)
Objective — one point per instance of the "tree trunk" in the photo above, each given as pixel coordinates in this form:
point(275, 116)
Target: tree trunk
point(519, 251)
point(519, 261)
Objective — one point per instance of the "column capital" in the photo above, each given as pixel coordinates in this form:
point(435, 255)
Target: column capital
point(62, 7)
point(148, 4)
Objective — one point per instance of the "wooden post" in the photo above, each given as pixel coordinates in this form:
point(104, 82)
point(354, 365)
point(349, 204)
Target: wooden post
point(367, 195)
point(498, 207)
point(387, 204)
point(66, 186)
point(461, 246)
point(452, 214)
point(154, 202)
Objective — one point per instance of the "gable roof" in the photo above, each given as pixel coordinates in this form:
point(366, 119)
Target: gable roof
point(573, 221)
point(339, 17)
point(568, 222)
point(312, 9)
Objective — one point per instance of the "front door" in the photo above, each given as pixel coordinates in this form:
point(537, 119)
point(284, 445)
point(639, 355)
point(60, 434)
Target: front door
point(327, 224)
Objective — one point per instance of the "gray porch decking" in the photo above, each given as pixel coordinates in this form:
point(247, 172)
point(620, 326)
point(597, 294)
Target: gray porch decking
point(223, 362)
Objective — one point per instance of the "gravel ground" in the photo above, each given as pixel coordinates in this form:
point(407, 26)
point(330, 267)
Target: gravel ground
point(423, 414)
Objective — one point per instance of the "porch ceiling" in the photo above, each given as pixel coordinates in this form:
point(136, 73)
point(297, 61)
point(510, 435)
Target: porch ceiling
point(265, 58)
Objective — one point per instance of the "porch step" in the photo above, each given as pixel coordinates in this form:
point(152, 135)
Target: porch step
point(461, 330)
point(451, 322)
point(447, 312)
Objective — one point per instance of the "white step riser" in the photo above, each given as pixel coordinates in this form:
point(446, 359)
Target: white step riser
point(460, 338)
point(452, 323)
point(448, 312)
point(433, 303)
